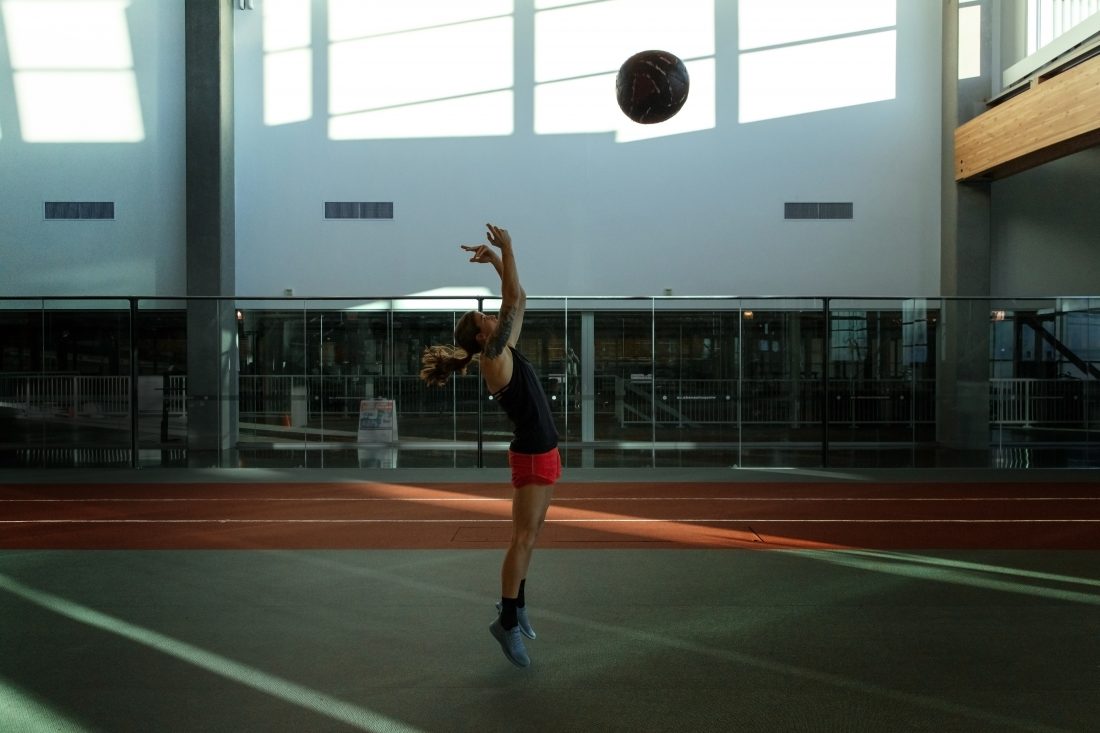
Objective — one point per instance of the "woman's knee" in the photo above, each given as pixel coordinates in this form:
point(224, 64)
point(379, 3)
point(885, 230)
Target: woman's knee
point(524, 538)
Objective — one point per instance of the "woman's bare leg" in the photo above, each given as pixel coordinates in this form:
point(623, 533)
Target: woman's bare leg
point(529, 505)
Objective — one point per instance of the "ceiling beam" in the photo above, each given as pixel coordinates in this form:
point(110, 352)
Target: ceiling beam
point(1057, 116)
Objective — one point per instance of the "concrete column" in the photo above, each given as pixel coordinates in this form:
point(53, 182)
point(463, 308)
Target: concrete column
point(962, 371)
point(212, 368)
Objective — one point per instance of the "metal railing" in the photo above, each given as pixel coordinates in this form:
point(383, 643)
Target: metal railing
point(1051, 402)
point(65, 395)
point(606, 363)
point(307, 398)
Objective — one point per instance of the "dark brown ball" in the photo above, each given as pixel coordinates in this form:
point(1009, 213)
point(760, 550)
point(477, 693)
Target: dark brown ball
point(651, 86)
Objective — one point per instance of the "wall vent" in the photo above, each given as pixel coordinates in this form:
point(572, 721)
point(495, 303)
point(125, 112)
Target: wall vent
point(800, 210)
point(358, 209)
point(69, 210)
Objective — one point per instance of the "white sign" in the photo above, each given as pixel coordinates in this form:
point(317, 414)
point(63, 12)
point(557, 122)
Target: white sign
point(377, 424)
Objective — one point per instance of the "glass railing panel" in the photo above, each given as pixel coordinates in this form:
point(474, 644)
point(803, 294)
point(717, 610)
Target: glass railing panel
point(65, 397)
point(695, 388)
point(880, 395)
point(438, 426)
point(565, 381)
point(350, 384)
point(24, 420)
point(633, 382)
point(1043, 362)
point(90, 342)
point(988, 351)
point(779, 391)
point(161, 347)
point(624, 387)
point(275, 409)
point(1092, 386)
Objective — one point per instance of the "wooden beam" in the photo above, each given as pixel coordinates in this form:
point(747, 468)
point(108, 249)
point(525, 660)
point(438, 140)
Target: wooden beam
point(1057, 116)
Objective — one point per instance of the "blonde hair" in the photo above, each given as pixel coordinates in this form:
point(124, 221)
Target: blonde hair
point(441, 361)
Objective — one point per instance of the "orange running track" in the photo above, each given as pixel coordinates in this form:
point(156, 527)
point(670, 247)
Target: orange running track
point(376, 515)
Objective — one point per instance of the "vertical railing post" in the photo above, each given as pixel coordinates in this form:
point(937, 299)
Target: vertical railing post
point(826, 347)
point(653, 382)
point(480, 407)
point(1027, 403)
point(133, 384)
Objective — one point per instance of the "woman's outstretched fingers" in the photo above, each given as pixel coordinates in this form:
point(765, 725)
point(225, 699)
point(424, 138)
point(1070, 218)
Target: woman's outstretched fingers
point(497, 236)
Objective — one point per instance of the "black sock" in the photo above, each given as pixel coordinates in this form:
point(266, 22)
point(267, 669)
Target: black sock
point(520, 602)
point(508, 613)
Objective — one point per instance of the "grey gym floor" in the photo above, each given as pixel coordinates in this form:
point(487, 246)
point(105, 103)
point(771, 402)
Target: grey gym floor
point(628, 640)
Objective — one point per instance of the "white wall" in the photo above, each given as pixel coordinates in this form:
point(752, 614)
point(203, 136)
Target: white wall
point(700, 212)
point(1046, 233)
point(141, 252)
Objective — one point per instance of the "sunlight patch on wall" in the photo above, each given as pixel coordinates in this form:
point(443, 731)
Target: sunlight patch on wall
point(351, 19)
point(427, 65)
point(588, 105)
point(812, 77)
point(763, 23)
point(73, 70)
point(288, 61)
point(429, 69)
point(474, 116)
point(810, 56)
point(580, 46)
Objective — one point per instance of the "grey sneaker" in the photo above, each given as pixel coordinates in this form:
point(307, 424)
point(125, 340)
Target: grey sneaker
point(511, 643)
point(524, 624)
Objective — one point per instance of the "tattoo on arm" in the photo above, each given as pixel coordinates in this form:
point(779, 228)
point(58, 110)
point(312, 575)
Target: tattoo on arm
point(495, 347)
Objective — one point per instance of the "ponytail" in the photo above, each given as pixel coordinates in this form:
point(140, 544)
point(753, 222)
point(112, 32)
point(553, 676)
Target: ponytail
point(440, 362)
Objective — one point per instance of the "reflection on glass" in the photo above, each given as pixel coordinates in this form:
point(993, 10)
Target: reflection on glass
point(64, 383)
point(780, 387)
point(882, 380)
point(655, 382)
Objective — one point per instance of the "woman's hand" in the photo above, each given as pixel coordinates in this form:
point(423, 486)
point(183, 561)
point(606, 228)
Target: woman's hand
point(481, 253)
point(498, 237)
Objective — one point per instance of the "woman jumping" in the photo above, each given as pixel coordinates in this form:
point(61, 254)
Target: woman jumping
point(533, 453)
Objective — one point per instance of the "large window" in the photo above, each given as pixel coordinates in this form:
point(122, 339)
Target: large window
point(970, 39)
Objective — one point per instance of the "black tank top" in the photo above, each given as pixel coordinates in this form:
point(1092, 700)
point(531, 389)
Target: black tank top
point(525, 403)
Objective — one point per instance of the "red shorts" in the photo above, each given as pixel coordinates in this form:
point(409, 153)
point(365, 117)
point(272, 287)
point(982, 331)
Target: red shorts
point(535, 468)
